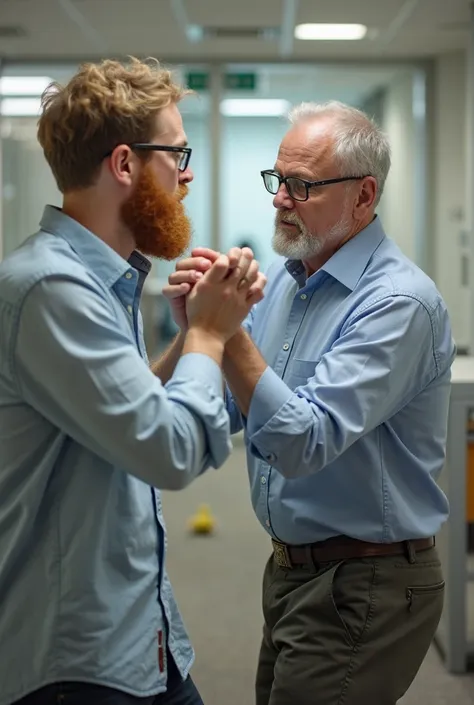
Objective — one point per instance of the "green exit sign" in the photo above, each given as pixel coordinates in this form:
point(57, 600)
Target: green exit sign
point(197, 81)
point(240, 81)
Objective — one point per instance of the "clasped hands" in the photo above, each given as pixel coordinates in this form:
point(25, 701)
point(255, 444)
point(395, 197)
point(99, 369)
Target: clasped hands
point(214, 292)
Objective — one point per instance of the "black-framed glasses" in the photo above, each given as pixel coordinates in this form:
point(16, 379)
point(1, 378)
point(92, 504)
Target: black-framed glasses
point(298, 189)
point(183, 152)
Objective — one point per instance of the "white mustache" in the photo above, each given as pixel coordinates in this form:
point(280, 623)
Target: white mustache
point(288, 218)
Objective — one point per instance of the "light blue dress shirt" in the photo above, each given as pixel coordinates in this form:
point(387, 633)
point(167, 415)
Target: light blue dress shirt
point(87, 433)
point(347, 426)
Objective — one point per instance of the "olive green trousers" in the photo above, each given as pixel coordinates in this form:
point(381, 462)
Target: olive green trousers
point(348, 633)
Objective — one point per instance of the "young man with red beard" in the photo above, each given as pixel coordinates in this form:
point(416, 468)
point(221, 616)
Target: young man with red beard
point(89, 433)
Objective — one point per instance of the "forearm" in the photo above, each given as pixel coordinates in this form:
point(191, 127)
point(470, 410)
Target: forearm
point(193, 341)
point(243, 367)
point(165, 366)
point(199, 340)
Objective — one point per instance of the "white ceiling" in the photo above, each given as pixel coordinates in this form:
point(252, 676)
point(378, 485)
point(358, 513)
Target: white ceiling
point(91, 29)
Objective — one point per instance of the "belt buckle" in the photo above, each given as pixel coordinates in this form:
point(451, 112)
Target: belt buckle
point(281, 554)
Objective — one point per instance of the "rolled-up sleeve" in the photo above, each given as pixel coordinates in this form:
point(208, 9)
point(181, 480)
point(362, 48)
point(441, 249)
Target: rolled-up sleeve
point(84, 374)
point(387, 352)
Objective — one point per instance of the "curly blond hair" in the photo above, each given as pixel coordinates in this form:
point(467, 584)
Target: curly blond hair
point(102, 106)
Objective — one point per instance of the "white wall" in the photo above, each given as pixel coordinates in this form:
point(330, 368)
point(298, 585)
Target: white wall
point(446, 233)
point(451, 242)
point(198, 200)
point(27, 186)
point(397, 207)
point(249, 145)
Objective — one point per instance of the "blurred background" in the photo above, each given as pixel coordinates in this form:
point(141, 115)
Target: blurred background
point(403, 61)
point(410, 65)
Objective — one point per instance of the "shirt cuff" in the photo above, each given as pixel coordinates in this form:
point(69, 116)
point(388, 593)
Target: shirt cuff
point(202, 368)
point(270, 395)
point(197, 385)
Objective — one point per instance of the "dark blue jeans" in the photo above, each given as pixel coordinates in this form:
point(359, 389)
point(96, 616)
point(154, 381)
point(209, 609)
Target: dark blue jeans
point(179, 693)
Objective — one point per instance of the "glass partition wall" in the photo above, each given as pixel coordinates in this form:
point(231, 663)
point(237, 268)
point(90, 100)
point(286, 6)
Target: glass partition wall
point(234, 122)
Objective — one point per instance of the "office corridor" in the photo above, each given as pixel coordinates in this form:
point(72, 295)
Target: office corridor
point(217, 583)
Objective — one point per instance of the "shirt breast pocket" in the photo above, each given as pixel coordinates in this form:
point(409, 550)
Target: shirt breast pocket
point(298, 372)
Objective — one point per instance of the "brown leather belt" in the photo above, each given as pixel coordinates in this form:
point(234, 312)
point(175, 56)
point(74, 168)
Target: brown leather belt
point(341, 548)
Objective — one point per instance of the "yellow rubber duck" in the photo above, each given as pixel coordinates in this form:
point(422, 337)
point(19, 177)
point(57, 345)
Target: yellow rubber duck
point(202, 522)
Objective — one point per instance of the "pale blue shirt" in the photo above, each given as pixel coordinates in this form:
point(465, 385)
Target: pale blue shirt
point(347, 427)
point(88, 436)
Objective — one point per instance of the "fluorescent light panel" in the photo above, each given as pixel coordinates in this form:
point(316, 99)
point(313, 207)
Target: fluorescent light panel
point(20, 107)
point(330, 32)
point(254, 107)
point(23, 85)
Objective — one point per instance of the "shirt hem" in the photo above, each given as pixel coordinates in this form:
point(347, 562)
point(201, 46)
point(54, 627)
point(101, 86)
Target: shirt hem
point(29, 690)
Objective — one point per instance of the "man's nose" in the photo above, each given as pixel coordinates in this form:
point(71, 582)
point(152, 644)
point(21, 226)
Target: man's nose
point(186, 176)
point(282, 199)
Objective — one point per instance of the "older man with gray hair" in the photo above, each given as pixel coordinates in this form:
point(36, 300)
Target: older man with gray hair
point(340, 378)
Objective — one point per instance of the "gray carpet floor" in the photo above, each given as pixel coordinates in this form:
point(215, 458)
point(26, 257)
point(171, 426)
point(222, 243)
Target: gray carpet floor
point(217, 583)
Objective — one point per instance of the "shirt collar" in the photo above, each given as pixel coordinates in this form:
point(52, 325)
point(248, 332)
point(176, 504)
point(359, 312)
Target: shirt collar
point(348, 264)
point(94, 252)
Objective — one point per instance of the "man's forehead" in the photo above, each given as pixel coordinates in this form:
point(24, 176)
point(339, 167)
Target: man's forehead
point(305, 145)
point(169, 126)
point(309, 134)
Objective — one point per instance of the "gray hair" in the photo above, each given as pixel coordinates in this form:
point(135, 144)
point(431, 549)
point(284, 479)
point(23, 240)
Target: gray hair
point(361, 147)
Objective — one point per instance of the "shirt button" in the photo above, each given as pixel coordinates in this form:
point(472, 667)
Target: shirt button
point(267, 522)
point(130, 309)
point(271, 457)
point(128, 275)
point(263, 480)
point(303, 297)
point(286, 346)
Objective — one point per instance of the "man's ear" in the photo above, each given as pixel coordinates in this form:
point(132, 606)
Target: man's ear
point(123, 164)
point(366, 197)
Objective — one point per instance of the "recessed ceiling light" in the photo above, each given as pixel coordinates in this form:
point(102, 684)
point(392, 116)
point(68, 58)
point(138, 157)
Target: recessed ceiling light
point(23, 85)
point(254, 107)
point(330, 32)
point(20, 107)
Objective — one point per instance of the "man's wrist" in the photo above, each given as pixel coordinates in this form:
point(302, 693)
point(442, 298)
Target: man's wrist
point(200, 340)
point(236, 341)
